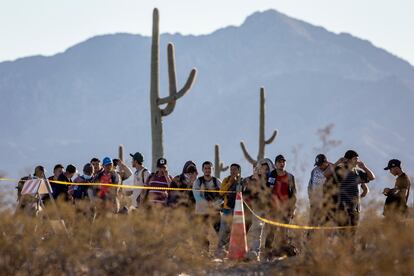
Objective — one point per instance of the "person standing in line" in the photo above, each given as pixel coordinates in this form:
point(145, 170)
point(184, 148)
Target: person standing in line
point(258, 196)
point(184, 199)
point(60, 191)
point(208, 204)
point(97, 167)
point(141, 175)
point(283, 188)
point(160, 178)
point(107, 194)
point(231, 183)
point(315, 189)
point(352, 173)
point(396, 206)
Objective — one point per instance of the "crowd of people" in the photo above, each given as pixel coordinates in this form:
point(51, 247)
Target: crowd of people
point(334, 189)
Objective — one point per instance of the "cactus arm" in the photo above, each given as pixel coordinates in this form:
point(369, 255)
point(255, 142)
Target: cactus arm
point(187, 87)
point(270, 140)
point(174, 95)
point(222, 168)
point(168, 109)
point(246, 154)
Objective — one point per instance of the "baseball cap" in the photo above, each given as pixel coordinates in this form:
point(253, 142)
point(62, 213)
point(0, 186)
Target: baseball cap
point(106, 161)
point(161, 162)
point(350, 154)
point(393, 163)
point(279, 158)
point(320, 159)
point(137, 157)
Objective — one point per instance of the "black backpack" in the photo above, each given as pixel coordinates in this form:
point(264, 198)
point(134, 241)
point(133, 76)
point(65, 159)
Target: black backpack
point(209, 196)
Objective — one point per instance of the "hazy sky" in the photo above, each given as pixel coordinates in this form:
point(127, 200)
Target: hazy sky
point(29, 27)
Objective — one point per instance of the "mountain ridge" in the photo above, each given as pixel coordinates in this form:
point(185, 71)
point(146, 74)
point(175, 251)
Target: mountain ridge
point(85, 101)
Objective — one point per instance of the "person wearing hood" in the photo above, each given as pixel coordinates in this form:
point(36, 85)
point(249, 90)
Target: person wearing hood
point(258, 196)
point(183, 199)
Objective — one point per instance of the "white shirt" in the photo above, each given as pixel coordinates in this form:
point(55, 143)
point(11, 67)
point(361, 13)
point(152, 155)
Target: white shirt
point(140, 177)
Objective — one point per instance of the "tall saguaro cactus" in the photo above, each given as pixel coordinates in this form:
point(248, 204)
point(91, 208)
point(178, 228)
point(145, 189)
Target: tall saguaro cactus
point(156, 102)
point(262, 141)
point(218, 165)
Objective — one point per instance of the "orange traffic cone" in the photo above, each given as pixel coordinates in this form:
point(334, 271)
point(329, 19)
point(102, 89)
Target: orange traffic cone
point(238, 240)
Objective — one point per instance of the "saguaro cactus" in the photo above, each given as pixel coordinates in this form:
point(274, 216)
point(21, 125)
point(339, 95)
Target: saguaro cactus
point(156, 102)
point(218, 165)
point(262, 141)
point(121, 152)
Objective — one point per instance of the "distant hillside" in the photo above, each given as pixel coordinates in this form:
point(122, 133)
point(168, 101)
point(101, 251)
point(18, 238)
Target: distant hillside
point(82, 103)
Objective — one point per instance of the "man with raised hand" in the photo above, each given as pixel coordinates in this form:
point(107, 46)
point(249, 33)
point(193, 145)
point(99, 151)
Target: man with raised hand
point(352, 173)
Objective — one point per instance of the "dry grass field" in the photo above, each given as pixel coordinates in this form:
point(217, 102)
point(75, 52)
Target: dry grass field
point(160, 242)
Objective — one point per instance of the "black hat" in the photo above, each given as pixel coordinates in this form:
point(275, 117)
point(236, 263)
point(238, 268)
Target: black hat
point(137, 157)
point(393, 163)
point(279, 158)
point(350, 154)
point(161, 162)
point(320, 159)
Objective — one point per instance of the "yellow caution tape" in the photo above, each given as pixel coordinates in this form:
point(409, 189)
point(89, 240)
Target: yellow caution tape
point(293, 226)
point(124, 186)
point(10, 180)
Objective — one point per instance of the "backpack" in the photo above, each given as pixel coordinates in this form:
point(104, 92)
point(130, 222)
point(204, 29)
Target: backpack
point(80, 191)
point(104, 190)
point(142, 175)
point(209, 196)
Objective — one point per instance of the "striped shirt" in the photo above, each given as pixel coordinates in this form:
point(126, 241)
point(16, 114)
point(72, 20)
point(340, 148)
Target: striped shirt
point(348, 189)
point(157, 196)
